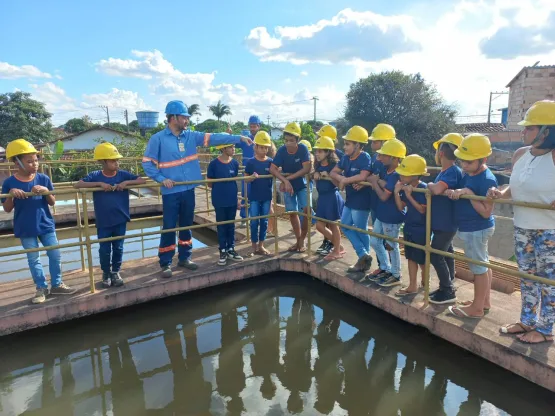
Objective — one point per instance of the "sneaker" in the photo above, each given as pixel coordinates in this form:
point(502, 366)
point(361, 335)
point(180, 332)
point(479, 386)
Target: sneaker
point(116, 279)
point(106, 279)
point(376, 276)
point(356, 267)
point(322, 246)
point(63, 289)
point(326, 250)
point(389, 281)
point(188, 264)
point(233, 255)
point(223, 258)
point(40, 296)
point(366, 262)
point(167, 271)
point(441, 297)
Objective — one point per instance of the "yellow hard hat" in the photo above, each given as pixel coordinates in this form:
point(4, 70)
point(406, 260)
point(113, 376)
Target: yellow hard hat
point(474, 146)
point(19, 147)
point(413, 165)
point(395, 148)
point(106, 151)
point(328, 131)
point(262, 139)
point(452, 138)
point(542, 113)
point(223, 146)
point(307, 144)
point(293, 128)
point(357, 134)
point(383, 132)
point(324, 143)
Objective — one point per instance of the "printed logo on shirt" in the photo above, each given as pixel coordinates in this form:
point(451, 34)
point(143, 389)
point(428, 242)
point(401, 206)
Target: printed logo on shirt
point(232, 171)
point(355, 169)
point(297, 160)
point(267, 169)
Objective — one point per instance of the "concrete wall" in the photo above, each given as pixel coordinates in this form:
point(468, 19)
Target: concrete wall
point(90, 139)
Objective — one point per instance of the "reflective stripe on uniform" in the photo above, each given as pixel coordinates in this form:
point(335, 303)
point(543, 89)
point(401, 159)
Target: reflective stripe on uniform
point(185, 242)
point(166, 249)
point(148, 159)
point(206, 139)
point(179, 162)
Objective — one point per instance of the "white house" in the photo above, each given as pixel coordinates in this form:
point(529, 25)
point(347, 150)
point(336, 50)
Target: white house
point(89, 139)
point(276, 133)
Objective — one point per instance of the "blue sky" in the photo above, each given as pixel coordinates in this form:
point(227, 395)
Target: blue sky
point(75, 56)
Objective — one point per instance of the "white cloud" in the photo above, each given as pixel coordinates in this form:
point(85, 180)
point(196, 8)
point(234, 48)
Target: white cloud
point(347, 36)
point(53, 96)
point(115, 98)
point(8, 71)
point(304, 73)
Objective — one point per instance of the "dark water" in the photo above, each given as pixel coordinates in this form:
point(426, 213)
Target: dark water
point(278, 345)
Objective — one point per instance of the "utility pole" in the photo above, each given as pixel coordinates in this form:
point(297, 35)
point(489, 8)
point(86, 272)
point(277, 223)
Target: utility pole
point(491, 99)
point(315, 99)
point(126, 115)
point(268, 121)
point(105, 108)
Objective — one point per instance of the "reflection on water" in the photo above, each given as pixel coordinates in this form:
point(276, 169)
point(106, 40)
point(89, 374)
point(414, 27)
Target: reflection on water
point(16, 267)
point(275, 346)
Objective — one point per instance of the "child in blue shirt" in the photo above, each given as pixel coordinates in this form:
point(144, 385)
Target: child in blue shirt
point(330, 202)
point(294, 159)
point(354, 168)
point(388, 218)
point(33, 221)
point(380, 134)
point(410, 170)
point(475, 220)
point(260, 190)
point(224, 200)
point(111, 208)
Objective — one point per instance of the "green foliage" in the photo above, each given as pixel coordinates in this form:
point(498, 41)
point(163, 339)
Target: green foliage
point(408, 103)
point(307, 133)
point(116, 126)
point(316, 125)
point(134, 126)
point(77, 125)
point(23, 117)
point(209, 126)
point(194, 110)
point(220, 110)
point(159, 127)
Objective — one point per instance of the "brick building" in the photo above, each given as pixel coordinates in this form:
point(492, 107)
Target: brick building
point(531, 84)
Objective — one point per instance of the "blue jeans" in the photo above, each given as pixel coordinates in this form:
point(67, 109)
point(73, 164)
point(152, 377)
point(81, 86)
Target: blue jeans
point(178, 209)
point(357, 218)
point(391, 230)
point(242, 212)
point(258, 208)
point(54, 260)
point(226, 232)
point(476, 247)
point(297, 201)
point(113, 249)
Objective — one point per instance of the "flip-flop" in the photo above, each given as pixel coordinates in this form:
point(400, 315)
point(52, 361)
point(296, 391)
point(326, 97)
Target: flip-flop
point(301, 250)
point(403, 292)
point(294, 247)
point(545, 339)
point(505, 329)
point(452, 310)
point(468, 303)
point(331, 257)
point(265, 253)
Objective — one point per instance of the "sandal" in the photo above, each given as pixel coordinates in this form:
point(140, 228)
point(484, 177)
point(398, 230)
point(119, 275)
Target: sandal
point(294, 247)
point(468, 303)
point(546, 338)
point(403, 292)
point(523, 329)
point(332, 256)
point(263, 252)
point(460, 313)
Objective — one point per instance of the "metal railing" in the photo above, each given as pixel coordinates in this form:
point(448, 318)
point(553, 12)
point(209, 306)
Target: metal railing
point(82, 197)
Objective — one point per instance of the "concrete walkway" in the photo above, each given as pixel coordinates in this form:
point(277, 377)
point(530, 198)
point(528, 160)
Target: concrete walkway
point(143, 283)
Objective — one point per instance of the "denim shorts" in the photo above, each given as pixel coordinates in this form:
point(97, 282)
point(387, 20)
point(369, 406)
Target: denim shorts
point(297, 201)
point(476, 247)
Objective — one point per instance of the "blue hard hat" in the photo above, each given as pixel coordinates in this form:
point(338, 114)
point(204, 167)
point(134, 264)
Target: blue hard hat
point(177, 108)
point(254, 120)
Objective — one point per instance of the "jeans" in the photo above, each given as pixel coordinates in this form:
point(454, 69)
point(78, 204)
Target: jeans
point(258, 208)
point(391, 230)
point(113, 249)
point(243, 184)
point(297, 201)
point(476, 247)
point(178, 209)
point(226, 232)
point(444, 266)
point(357, 218)
point(54, 260)
point(535, 254)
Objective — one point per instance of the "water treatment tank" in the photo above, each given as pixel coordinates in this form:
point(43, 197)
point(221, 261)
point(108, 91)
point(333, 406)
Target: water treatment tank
point(147, 119)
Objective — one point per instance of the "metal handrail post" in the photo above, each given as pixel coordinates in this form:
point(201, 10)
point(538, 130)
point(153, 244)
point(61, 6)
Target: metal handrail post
point(428, 246)
point(274, 201)
point(137, 173)
point(246, 202)
point(308, 214)
point(79, 225)
point(88, 240)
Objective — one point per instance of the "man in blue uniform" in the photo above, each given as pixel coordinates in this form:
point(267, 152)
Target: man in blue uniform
point(171, 157)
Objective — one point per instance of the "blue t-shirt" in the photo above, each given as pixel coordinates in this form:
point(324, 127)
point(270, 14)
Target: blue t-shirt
point(387, 212)
point(110, 208)
point(248, 151)
point(224, 194)
point(467, 217)
point(414, 220)
point(324, 186)
point(339, 154)
point(443, 209)
point(260, 189)
point(292, 163)
point(376, 168)
point(32, 216)
point(352, 167)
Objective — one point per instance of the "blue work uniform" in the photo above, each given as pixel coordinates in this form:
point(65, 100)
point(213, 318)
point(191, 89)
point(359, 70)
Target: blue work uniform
point(175, 157)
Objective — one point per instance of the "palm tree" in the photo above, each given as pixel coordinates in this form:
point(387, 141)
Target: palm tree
point(194, 110)
point(219, 110)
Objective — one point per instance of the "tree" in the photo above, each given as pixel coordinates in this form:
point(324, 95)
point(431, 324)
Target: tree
point(194, 110)
point(316, 125)
point(219, 110)
point(209, 126)
point(23, 117)
point(134, 126)
point(413, 107)
point(307, 133)
point(77, 125)
point(116, 126)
